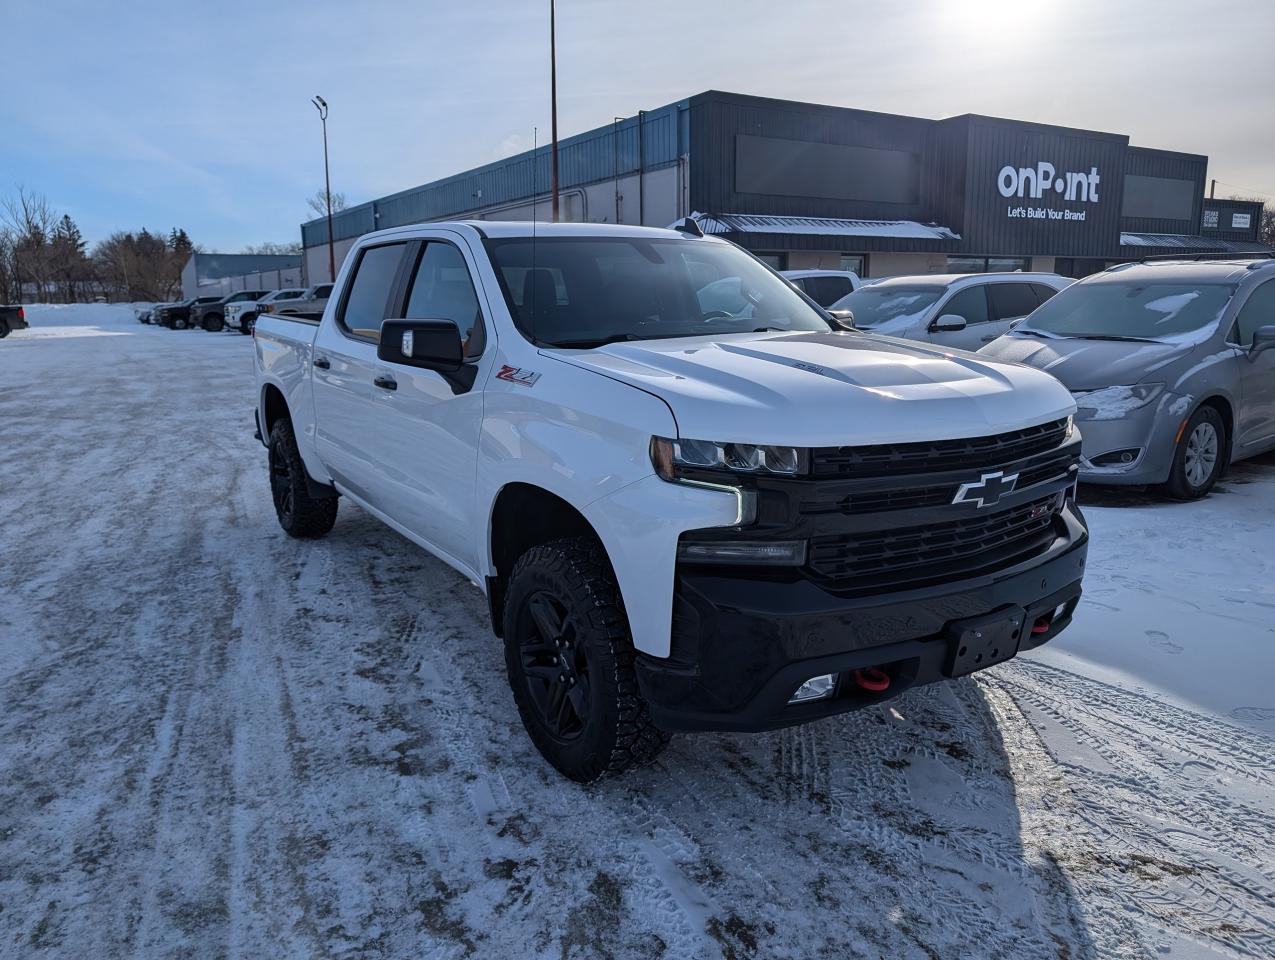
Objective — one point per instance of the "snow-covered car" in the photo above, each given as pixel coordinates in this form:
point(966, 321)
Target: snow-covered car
point(1171, 366)
point(143, 314)
point(965, 310)
point(242, 314)
point(682, 517)
point(825, 287)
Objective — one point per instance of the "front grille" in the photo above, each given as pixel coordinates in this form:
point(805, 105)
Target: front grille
point(950, 550)
point(976, 453)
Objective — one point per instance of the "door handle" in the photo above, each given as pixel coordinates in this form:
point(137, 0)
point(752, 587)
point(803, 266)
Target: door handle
point(386, 383)
point(323, 363)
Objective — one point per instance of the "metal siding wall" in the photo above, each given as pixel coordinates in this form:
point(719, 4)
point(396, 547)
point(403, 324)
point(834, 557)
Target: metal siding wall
point(1143, 162)
point(990, 231)
point(585, 158)
point(716, 119)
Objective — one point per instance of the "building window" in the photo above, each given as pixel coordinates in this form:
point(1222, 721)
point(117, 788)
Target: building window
point(855, 262)
point(777, 261)
point(987, 264)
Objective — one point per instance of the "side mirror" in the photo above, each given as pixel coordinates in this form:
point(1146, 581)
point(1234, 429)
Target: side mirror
point(430, 344)
point(948, 323)
point(844, 318)
point(1263, 339)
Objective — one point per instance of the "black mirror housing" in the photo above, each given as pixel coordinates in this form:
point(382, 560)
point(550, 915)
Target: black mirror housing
point(429, 344)
point(845, 318)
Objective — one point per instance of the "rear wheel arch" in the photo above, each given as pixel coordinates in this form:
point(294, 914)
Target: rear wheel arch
point(524, 516)
point(1224, 410)
point(273, 407)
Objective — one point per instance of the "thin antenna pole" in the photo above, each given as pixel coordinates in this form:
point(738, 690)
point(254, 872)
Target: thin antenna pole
point(553, 98)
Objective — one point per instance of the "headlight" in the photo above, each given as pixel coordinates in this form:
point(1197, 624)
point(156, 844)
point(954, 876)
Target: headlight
point(673, 458)
point(1112, 403)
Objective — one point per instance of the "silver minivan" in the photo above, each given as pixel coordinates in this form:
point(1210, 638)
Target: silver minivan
point(965, 310)
point(1171, 366)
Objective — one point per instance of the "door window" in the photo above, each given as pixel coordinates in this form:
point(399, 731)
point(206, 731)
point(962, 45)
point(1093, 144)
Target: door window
point(1258, 311)
point(826, 291)
point(367, 302)
point(1043, 291)
point(443, 290)
point(970, 303)
point(1012, 300)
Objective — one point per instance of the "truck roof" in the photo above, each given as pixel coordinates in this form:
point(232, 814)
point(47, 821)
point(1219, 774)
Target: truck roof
point(524, 228)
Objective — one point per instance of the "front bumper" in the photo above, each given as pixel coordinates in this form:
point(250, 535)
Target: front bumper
point(744, 643)
point(1150, 430)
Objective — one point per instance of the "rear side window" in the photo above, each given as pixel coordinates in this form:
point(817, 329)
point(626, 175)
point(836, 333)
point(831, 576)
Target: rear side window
point(1258, 311)
point(1043, 291)
point(442, 290)
point(367, 303)
point(826, 291)
point(1012, 300)
point(970, 303)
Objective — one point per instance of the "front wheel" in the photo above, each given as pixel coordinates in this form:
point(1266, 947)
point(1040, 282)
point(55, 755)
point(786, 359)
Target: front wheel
point(1198, 459)
point(179, 323)
point(300, 514)
point(570, 663)
point(214, 323)
point(246, 324)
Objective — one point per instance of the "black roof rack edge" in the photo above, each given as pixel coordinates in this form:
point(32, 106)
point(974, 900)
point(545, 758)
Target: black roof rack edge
point(1200, 257)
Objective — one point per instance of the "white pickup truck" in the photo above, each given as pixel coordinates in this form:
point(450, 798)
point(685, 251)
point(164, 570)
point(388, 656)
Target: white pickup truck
point(683, 518)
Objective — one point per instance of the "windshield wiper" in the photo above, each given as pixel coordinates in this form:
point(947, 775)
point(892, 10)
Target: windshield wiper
point(600, 342)
point(1027, 332)
point(1113, 336)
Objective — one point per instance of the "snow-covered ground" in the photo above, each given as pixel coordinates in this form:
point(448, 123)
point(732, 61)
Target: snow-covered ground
point(219, 742)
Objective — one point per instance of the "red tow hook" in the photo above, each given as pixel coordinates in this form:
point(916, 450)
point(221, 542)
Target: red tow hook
point(870, 678)
point(1041, 625)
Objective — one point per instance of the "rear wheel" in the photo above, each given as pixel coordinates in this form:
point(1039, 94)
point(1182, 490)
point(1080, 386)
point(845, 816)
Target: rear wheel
point(179, 323)
point(214, 322)
point(1197, 462)
point(246, 323)
point(4, 329)
point(570, 663)
point(299, 513)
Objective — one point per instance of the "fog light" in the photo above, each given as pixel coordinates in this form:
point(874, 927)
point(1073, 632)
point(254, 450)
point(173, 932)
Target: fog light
point(816, 688)
point(788, 553)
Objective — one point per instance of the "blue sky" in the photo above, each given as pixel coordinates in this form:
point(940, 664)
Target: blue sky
point(197, 115)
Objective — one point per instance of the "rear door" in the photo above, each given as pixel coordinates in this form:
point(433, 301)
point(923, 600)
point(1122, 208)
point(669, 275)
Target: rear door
point(1011, 300)
point(970, 304)
point(348, 420)
point(430, 444)
point(1255, 419)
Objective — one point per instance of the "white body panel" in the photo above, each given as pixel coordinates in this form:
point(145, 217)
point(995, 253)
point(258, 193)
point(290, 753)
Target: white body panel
point(432, 463)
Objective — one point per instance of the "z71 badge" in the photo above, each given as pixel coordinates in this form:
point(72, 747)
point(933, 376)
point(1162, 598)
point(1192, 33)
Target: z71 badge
point(524, 378)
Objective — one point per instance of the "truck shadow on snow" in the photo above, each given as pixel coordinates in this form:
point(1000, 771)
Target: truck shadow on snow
point(893, 831)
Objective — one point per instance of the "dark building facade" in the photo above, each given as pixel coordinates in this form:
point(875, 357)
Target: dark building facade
point(806, 185)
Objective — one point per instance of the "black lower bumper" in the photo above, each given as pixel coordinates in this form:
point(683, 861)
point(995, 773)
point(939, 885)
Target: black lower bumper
point(744, 644)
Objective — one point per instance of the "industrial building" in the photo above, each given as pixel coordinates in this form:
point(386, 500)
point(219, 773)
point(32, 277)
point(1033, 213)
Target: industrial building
point(804, 185)
point(208, 274)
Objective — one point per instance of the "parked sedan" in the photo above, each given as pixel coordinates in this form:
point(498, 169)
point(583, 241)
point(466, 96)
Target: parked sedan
point(212, 315)
point(242, 315)
point(965, 310)
point(1171, 366)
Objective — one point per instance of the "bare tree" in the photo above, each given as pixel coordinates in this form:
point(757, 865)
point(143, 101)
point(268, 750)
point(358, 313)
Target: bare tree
point(32, 222)
point(319, 206)
point(270, 248)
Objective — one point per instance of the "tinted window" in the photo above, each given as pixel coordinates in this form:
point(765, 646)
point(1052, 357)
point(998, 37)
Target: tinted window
point(826, 291)
point(1258, 311)
point(970, 303)
point(323, 292)
point(1012, 300)
point(288, 294)
point(1043, 291)
point(368, 299)
point(1130, 309)
point(442, 290)
point(880, 304)
point(582, 292)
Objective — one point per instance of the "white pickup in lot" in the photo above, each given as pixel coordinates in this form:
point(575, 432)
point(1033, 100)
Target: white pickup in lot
point(684, 517)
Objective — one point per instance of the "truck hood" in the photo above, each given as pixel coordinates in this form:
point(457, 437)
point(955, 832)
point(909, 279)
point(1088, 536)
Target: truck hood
point(827, 389)
point(1088, 364)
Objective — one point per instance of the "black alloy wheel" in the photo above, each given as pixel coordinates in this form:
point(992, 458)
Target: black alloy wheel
point(555, 666)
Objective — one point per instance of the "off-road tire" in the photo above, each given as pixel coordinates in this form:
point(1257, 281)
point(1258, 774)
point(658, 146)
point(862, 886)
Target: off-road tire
point(1180, 485)
point(618, 733)
point(214, 322)
point(300, 514)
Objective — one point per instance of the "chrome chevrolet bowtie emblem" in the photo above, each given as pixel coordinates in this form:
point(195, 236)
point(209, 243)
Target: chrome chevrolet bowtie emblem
point(987, 491)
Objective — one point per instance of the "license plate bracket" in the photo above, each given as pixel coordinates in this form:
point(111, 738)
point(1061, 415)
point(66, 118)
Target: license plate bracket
point(984, 641)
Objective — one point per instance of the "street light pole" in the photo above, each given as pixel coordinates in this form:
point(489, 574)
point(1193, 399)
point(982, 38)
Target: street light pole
point(322, 106)
point(553, 97)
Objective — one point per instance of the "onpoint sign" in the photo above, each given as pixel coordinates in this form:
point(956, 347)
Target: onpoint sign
point(1036, 181)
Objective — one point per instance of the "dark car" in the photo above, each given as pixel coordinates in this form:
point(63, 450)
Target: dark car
point(211, 315)
point(12, 318)
point(176, 316)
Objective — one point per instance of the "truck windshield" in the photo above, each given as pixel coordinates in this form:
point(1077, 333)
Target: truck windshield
point(875, 305)
point(1129, 311)
point(583, 292)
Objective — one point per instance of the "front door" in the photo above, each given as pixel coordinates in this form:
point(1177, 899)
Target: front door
point(1255, 419)
point(970, 304)
point(433, 423)
point(349, 411)
point(1011, 300)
